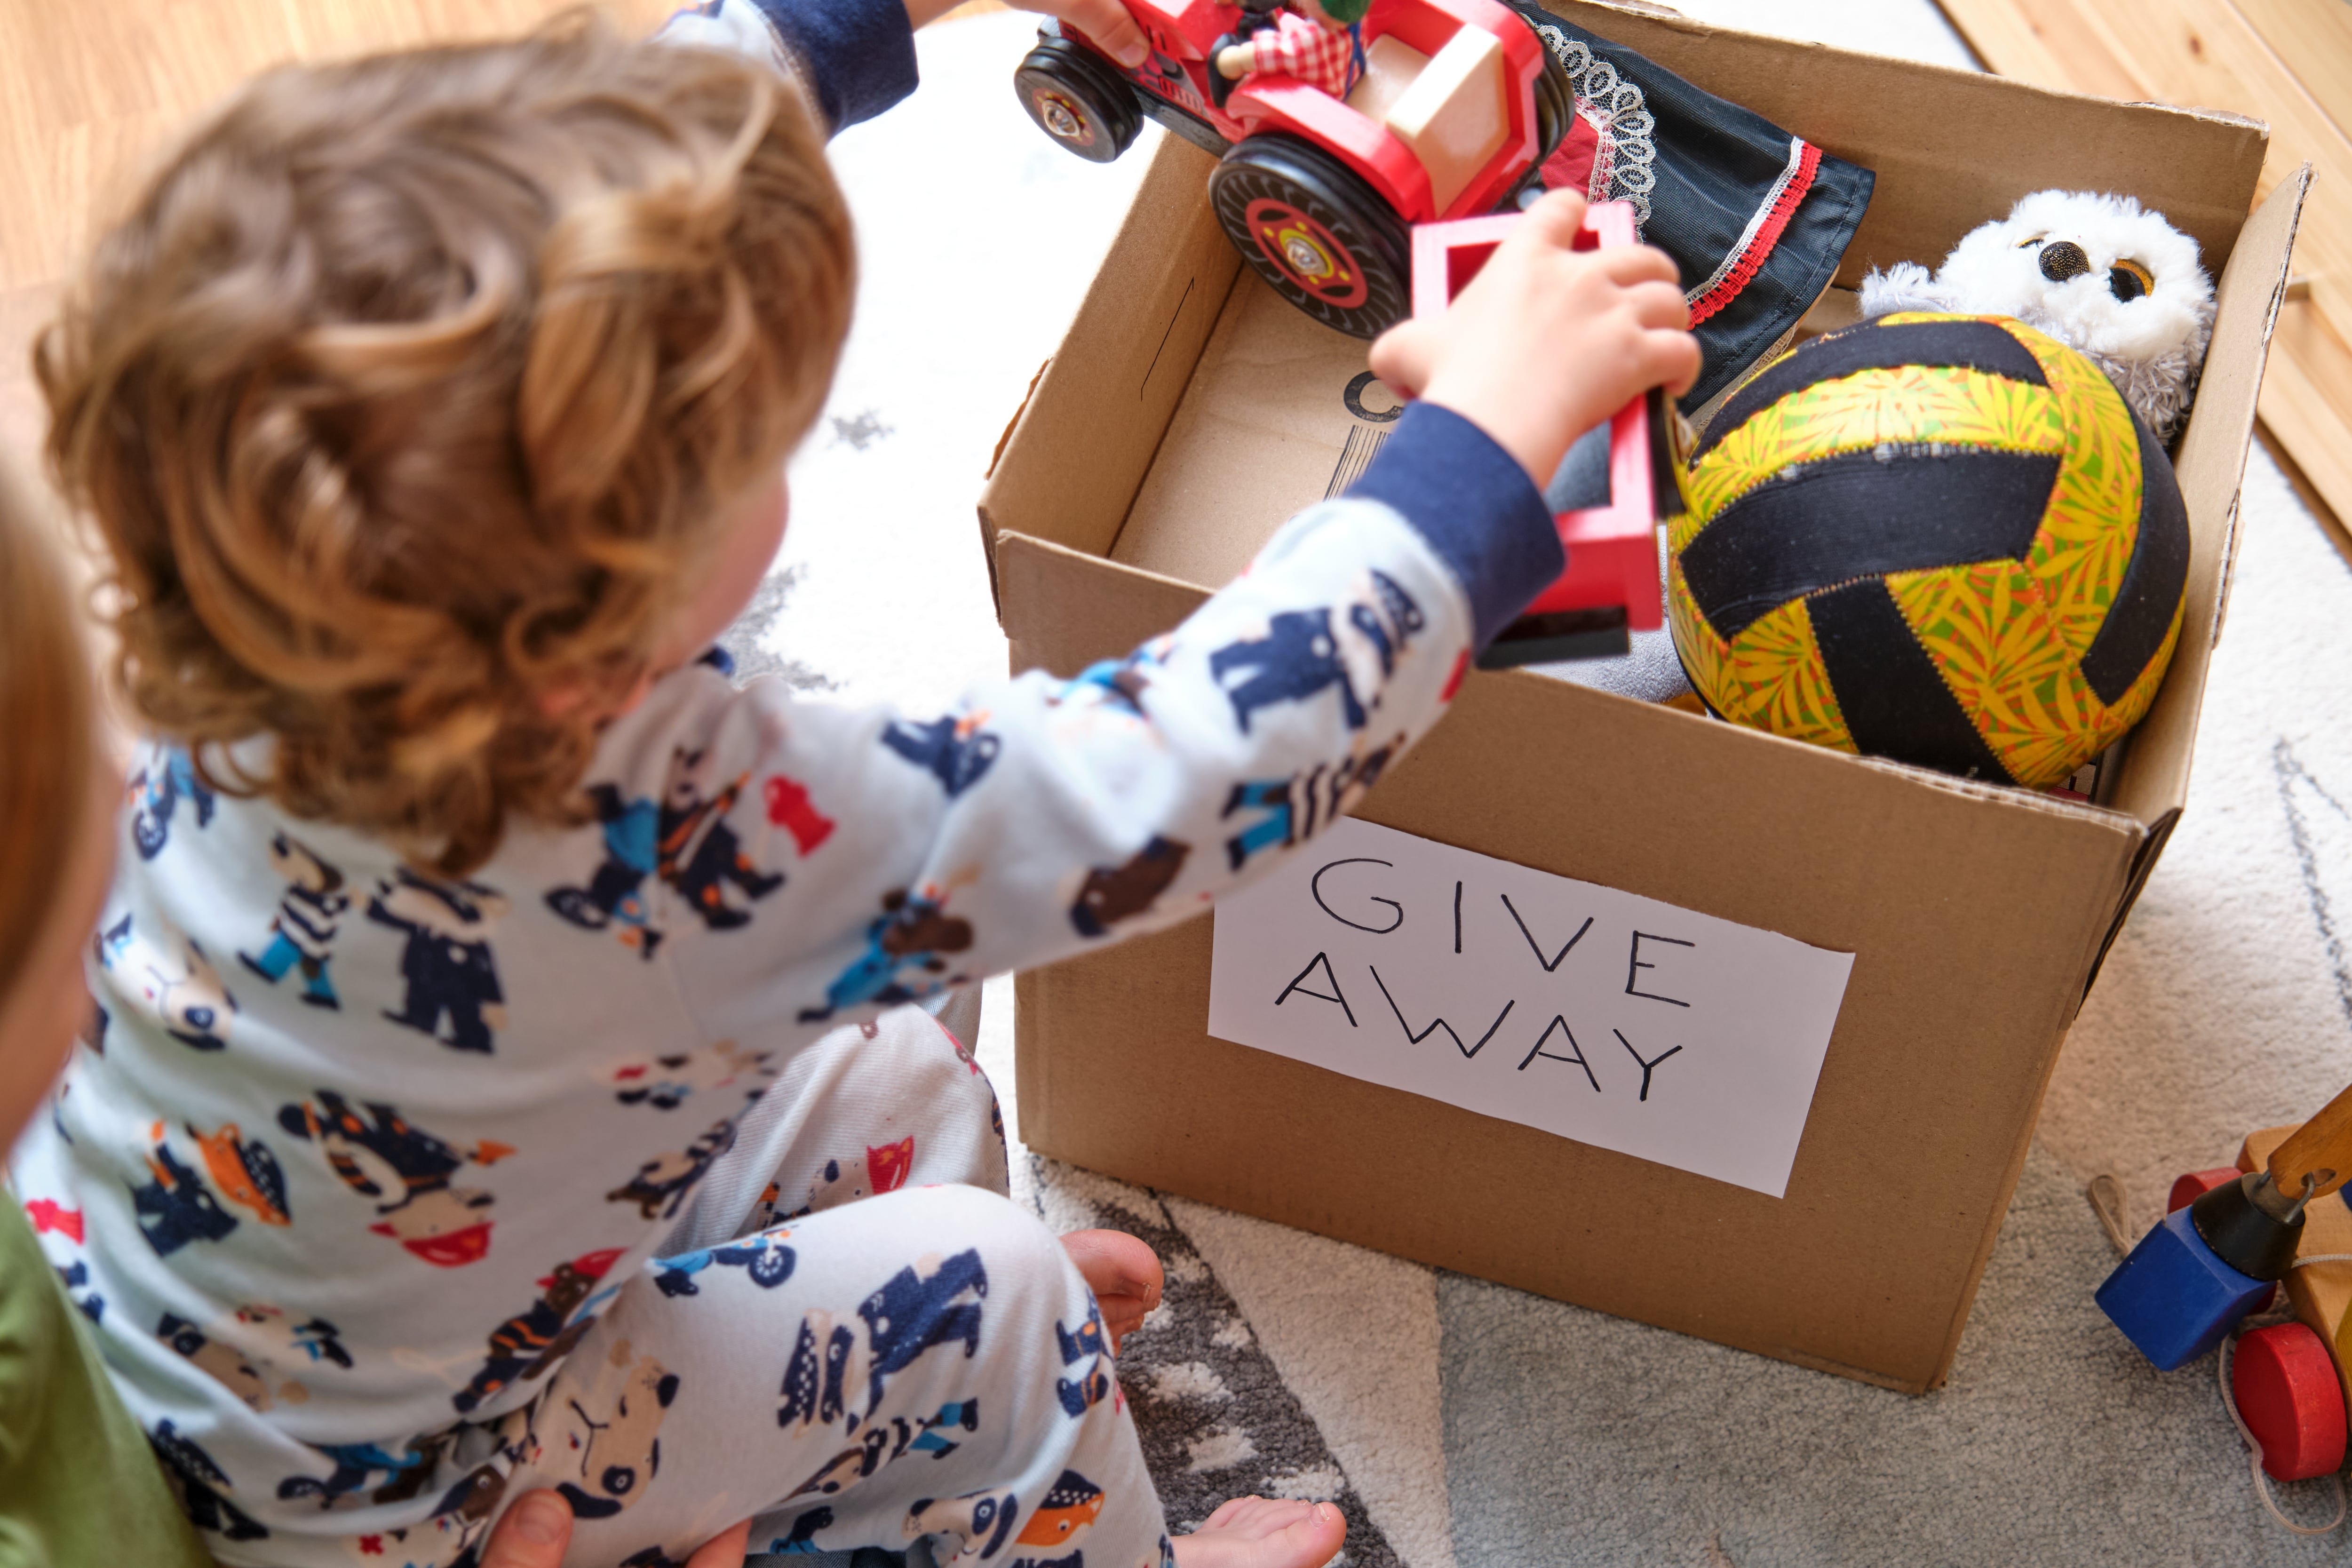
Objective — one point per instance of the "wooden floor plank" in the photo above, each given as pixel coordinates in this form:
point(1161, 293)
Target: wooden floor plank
point(2214, 54)
point(2314, 38)
point(2049, 45)
point(91, 94)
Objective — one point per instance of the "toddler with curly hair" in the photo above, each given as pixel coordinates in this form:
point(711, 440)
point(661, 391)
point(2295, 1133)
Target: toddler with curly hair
point(510, 1065)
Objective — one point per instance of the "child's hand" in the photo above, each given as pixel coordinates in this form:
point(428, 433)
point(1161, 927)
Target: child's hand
point(1107, 22)
point(1123, 1273)
point(1546, 342)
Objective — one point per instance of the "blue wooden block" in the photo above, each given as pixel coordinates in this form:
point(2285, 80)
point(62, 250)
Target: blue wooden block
point(2173, 1298)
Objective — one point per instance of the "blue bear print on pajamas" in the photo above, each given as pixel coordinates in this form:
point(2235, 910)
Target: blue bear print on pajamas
point(447, 961)
point(976, 1522)
point(667, 1178)
point(309, 913)
point(956, 751)
point(1297, 659)
point(156, 791)
point(698, 852)
point(1302, 655)
point(910, 1314)
point(911, 932)
point(199, 1482)
point(1083, 1347)
point(175, 1207)
point(616, 892)
point(766, 1261)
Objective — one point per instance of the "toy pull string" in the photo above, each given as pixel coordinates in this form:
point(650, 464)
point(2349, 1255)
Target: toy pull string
point(2254, 1448)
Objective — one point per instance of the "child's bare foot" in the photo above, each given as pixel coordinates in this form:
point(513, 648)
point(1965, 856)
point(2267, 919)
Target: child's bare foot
point(1265, 1532)
point(1123, 1273)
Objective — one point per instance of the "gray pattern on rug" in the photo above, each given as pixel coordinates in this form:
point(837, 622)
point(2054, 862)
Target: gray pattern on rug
point(1216, 1418)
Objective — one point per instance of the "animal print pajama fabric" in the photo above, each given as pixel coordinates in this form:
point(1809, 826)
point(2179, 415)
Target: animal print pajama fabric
point(357, 1167)
point(844, 1346)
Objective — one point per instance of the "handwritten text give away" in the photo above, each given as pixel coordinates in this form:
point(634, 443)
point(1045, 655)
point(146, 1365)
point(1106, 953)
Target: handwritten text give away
point(1590, 1013)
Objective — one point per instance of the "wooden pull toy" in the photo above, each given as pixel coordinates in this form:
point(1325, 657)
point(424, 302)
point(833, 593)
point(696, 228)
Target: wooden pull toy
point(1612, 490)
point(2192, 1279)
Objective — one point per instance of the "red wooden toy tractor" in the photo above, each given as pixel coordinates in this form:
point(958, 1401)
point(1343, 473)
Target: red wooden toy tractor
point(1458, 106)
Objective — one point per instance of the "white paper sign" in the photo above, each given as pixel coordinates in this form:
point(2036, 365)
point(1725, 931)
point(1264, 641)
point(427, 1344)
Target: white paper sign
point(1587, 1012)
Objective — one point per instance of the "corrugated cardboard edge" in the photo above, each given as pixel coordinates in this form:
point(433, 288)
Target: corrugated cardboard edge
point(1144, 319)
point(2154, 786)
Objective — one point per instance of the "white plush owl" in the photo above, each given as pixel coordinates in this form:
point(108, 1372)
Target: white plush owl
point(2096, 272)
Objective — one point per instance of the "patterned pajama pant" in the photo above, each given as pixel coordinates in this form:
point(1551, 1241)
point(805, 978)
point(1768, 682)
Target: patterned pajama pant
point(916, 1357)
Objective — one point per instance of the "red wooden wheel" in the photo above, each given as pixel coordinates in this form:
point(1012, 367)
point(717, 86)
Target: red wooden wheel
point(2285, 1386)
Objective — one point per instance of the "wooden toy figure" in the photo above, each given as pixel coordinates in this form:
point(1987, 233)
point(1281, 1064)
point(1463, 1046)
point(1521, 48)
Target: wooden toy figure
point(1319, 42)
point(2200, 1272)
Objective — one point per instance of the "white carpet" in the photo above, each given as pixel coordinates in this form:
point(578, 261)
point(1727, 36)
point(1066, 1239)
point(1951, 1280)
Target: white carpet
point(1478, 1427)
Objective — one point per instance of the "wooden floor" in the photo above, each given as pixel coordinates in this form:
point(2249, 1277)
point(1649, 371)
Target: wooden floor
point(91, 90)
point(2288, 62)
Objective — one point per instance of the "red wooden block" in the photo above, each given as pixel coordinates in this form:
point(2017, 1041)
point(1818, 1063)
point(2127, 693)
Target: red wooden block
point(2285, 1386)
point(2188, 1189)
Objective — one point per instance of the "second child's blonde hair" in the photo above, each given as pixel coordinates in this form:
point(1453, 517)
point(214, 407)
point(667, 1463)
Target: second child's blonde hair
point(408, 397)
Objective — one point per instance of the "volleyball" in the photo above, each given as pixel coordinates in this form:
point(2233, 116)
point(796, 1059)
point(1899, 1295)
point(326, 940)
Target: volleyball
point(1941, 538)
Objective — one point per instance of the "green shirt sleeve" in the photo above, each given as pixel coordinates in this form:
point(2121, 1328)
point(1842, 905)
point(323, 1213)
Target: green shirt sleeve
point(78, 1482)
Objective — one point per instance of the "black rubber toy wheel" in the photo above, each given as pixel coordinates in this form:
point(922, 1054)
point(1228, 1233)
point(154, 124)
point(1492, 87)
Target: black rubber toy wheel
point(1310, 227)
point(1077, 100)
point(1555, 105)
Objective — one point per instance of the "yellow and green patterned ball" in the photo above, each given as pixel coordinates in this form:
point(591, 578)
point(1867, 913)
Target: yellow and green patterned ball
point(1941, 538)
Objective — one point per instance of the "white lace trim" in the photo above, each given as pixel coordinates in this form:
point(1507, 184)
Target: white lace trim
point(1615, 109)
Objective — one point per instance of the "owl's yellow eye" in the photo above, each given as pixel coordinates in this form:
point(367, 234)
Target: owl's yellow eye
point(2030, 244)
point(2128, 281)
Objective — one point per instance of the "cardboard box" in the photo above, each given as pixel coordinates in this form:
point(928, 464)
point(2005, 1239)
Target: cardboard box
point(1189, 411)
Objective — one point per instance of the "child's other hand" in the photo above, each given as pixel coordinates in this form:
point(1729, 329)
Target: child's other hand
point(1107, 22)
point(1123, 1273)
point(1547, 341)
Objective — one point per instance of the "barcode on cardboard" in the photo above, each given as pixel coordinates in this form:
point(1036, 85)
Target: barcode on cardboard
point(1364, 444)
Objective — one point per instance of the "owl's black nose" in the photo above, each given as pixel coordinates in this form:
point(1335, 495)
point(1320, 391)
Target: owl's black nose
point(2061, 259)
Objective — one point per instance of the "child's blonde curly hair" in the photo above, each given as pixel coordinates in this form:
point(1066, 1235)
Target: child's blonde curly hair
point(407, 397)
